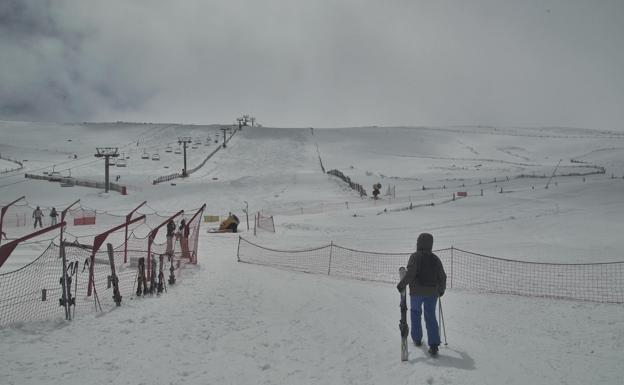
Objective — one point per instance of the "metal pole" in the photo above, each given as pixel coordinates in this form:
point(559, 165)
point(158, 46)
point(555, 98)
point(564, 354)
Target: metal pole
point(247, 213)
point(184, 140)
point(331, 249)
point(63, 213)
point(255, 223)
point(184, 170)
point(451, 267)
point(106, 173)
point(238, 249)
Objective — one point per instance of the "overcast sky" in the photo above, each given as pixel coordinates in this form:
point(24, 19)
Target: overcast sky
point(315, 62)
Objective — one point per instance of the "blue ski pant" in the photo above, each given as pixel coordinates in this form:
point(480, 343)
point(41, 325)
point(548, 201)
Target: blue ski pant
point(429, 304)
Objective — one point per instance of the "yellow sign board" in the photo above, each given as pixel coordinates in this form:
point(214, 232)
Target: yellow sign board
point(211, 218)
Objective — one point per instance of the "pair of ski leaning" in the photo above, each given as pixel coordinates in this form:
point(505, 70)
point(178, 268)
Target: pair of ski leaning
point(427, 282)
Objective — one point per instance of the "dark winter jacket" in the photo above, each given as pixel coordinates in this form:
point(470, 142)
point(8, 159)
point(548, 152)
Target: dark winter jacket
point(170, 228)
point(413, 276)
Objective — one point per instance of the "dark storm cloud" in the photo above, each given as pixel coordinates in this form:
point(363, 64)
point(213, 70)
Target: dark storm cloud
point(46, 70)
point(315, 63)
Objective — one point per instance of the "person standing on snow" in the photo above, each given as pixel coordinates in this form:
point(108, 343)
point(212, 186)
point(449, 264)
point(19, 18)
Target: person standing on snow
point(37, 214)
point(427, 281)
point(53, 215)
point(171, 226)
point(181, 227)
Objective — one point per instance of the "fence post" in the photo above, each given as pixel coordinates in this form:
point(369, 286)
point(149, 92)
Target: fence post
point(331, 249)
point(451, 286)
point(238, 248)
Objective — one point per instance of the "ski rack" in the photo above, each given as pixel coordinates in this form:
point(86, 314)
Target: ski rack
point(97, 243)
point(185, 236)
point(113, 280)
point(152, 236)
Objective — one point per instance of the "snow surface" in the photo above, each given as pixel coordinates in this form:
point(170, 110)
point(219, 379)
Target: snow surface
point(232, 323)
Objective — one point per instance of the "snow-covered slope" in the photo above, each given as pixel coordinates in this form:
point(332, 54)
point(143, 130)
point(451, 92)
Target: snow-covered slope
point(238, 323)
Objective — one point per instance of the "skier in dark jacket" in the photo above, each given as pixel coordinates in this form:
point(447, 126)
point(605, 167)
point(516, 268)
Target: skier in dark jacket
point(53, 215)
point(180, 233)
point(37, 215)
point(171, 226)
point(427, 281)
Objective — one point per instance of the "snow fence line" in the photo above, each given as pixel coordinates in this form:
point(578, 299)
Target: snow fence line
point(355, 186)
point(412, 201)
point(71, 181)
point(596, 282)
point(96, 279)
point(8, 170)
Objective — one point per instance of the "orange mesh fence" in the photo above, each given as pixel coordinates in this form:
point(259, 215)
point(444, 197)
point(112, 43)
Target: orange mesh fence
point(598, 282)
point(265, 223)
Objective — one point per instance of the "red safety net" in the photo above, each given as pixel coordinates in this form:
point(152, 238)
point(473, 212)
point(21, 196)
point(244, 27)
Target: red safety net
point(33, 291)
point(265, 223)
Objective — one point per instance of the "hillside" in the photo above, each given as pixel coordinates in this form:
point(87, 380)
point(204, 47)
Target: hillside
point(229, 322)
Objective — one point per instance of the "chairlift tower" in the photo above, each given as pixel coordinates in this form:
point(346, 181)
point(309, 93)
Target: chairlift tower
point(106, 153)
point(184, 141)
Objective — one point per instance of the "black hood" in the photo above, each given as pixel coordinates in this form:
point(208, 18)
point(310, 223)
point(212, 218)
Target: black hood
point(425, 242)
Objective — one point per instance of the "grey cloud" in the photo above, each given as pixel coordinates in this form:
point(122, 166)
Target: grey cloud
point(315, 63)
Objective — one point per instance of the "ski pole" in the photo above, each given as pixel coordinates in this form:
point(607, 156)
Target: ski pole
point(442, 321)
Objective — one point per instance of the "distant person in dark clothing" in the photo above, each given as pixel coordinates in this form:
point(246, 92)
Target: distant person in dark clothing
point(427, 281)
point(180, 232)
point(53, 215)
point(37, 214)
point(171, 226)
point(376, 190)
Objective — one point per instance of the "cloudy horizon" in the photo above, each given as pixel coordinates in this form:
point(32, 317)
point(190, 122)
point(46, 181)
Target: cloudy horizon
point(326, 63)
